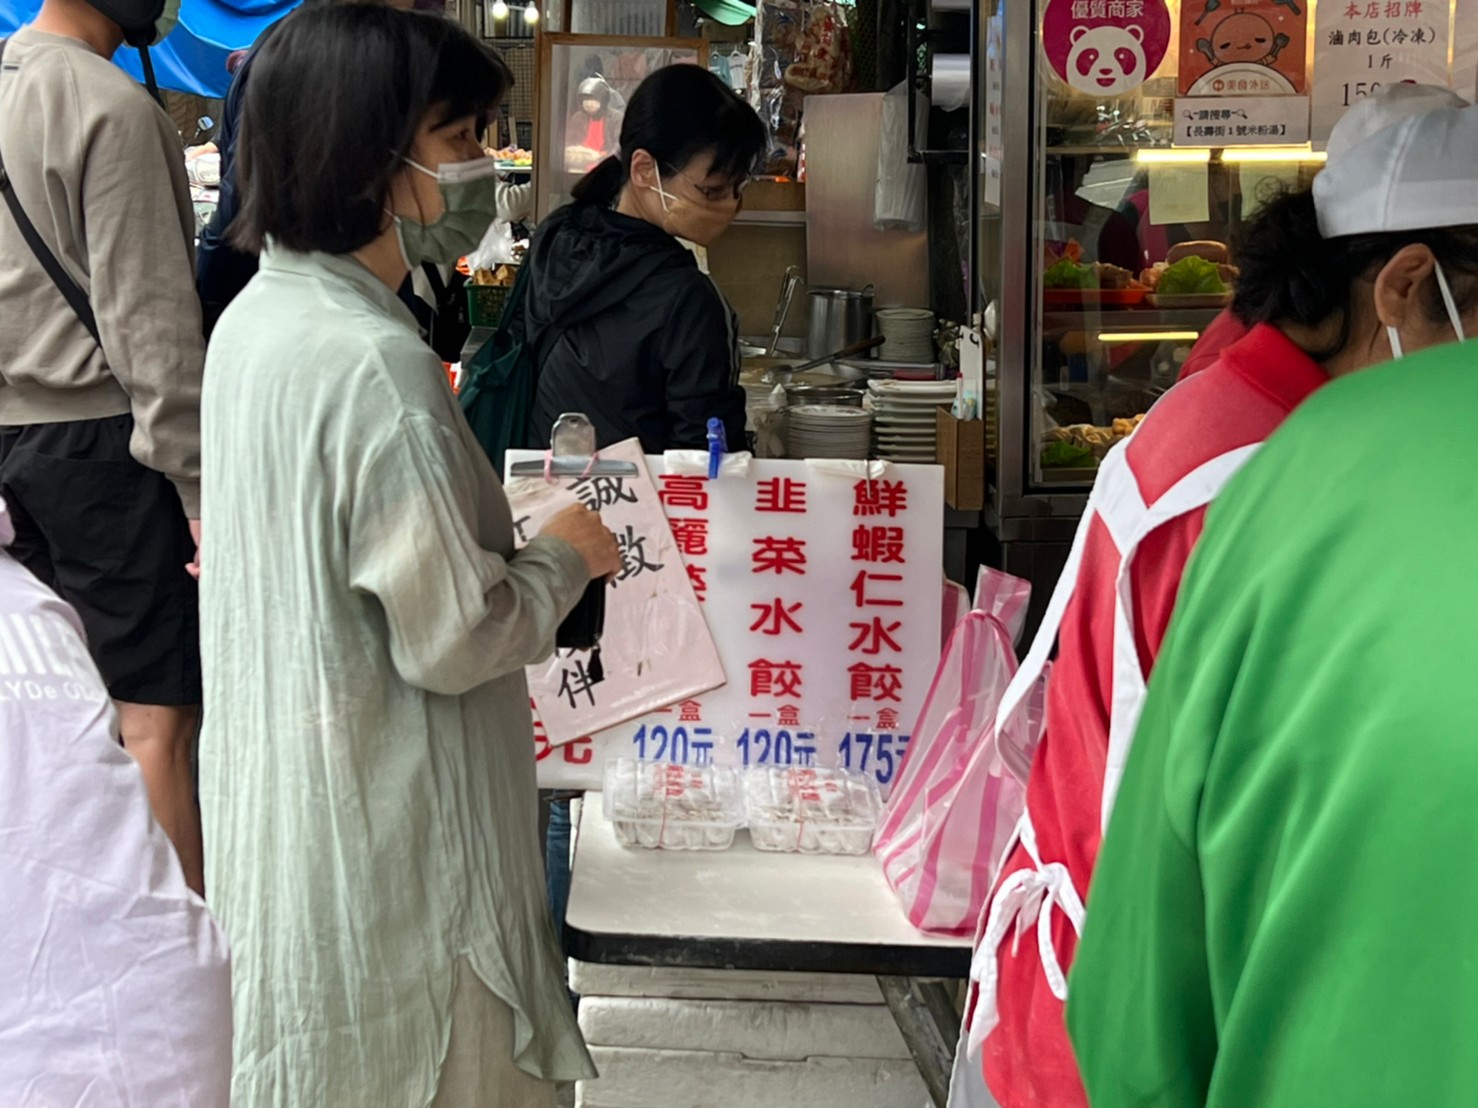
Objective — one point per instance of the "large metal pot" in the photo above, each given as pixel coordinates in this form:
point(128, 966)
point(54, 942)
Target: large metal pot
point(839, 318)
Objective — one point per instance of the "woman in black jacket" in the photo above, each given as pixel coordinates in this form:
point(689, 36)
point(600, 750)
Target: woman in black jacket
point(625, 326)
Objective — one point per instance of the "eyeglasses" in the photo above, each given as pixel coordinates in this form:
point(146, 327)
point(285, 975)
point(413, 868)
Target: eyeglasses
point(714, 193)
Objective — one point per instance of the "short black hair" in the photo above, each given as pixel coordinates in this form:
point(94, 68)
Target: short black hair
point(332, 106)
point(1290, 273)
point(676, 114)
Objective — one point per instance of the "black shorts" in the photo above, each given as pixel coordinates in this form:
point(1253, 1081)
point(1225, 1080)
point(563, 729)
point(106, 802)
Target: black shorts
point(110, 536)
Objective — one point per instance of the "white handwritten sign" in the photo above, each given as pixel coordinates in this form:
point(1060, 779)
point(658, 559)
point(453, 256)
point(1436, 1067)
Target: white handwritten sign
point(655, 649)
point(823, 595)
point(1360, 46)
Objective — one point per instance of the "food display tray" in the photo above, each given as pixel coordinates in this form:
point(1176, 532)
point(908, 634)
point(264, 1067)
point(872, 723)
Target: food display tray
point(1092, 298)
point(1191, 300)
point(666, 806)
point(808, 810)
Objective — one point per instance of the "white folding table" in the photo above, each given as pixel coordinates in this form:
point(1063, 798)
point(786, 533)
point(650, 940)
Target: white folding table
point(746, 909)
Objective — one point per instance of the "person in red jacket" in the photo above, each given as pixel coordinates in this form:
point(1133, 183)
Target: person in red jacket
point(1225, 329)
point(1313, 307)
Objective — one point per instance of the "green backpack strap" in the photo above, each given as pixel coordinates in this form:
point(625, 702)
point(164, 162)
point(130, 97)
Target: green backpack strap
point(498, 384)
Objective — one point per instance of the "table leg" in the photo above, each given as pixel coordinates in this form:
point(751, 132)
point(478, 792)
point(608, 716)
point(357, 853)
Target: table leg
point(926, 1016)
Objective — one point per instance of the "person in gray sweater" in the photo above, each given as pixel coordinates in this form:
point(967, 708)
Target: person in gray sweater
point(100, 416)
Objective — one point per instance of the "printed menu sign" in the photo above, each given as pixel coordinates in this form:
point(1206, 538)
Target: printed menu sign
point(655, 647)
point(1360, 46)
point(1241, 120)
point(822, 592)
point(1243, 47)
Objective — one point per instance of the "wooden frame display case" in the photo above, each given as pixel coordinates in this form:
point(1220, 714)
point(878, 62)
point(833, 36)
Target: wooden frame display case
point(561, 156)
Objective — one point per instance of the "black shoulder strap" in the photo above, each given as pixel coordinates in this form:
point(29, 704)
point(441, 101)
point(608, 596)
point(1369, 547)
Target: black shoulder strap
point(59, 276)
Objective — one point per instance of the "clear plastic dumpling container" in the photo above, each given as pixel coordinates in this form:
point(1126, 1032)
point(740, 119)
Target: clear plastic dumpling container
point(811, 810)
point(666, 806)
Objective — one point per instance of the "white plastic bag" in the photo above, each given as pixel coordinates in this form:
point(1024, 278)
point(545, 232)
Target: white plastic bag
point(495, 249)
point(899, 201)
point(955, 804)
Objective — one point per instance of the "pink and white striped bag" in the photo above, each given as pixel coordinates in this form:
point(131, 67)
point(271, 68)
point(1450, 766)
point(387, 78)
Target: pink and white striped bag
point(956, 803)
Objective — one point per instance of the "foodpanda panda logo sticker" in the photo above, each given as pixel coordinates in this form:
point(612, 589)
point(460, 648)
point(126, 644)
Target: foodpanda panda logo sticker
point(1105, 48)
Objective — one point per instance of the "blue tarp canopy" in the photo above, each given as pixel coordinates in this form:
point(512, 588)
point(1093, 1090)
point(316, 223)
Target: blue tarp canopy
point(193, 57)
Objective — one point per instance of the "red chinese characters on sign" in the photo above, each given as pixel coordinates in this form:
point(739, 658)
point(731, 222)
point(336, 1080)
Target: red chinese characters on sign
point(874, 636)
point(866, 594)
point(879, 498)
point(877, 683)
point(684, 492)
point(779, 555)
point(698, 577)
point(879, 545)
point(790, 716)
point(781, 494)
point(689, 532)
point(691, 535)
point(775, 617)
point(580, 752)
point(768, 678)
point(888, 719)
point(691, 711)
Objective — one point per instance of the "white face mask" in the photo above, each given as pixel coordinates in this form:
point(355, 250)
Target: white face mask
point(1448, 302)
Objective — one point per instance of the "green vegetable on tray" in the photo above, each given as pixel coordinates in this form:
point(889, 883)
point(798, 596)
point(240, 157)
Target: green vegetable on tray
point(1067, 455)
point(1068, 274)
point(1191, 276)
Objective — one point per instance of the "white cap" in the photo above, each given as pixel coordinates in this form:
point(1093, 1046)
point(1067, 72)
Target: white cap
point(1391, 105)
point(1417, 174)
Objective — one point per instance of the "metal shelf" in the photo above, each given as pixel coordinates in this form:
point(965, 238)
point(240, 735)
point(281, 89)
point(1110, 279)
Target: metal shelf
point(1107, 148)
point(771, 219)
point(1129, 319)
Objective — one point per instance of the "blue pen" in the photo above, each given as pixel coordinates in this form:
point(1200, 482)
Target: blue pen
point(718, 445)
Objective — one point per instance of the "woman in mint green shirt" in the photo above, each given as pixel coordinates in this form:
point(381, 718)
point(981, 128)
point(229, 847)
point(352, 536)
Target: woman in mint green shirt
point(367, 773)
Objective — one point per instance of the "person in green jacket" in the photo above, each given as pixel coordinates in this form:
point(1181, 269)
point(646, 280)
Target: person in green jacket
point(1283, 907)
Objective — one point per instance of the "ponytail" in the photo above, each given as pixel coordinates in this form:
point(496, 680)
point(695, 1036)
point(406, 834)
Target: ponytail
point(676, 114)
point(602, 185)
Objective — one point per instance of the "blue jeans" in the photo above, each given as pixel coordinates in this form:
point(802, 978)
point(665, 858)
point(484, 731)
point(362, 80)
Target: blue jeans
point(557, 863)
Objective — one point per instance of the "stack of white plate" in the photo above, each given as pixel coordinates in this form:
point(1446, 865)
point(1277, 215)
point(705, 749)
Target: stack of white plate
point(827, 431)
point(757, 392)
point(903, 417)
point(909, 334)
